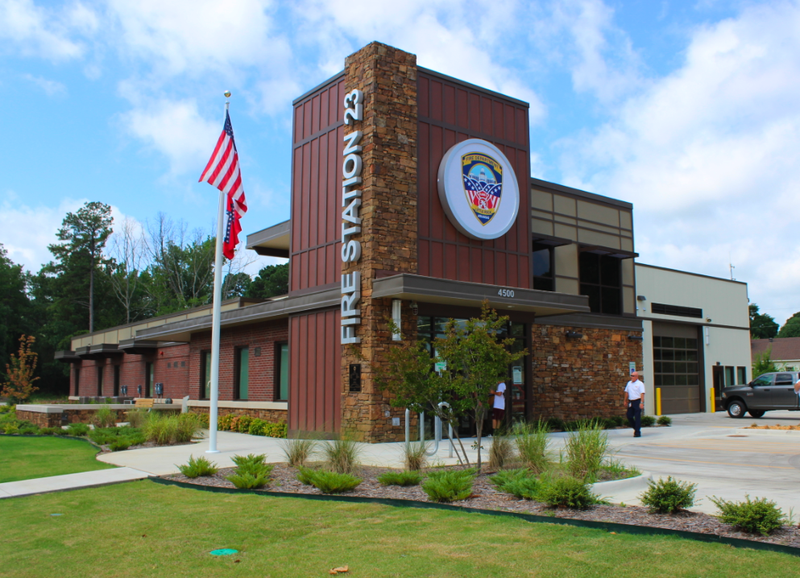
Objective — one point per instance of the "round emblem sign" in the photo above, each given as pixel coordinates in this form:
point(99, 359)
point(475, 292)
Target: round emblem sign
point(478, 189)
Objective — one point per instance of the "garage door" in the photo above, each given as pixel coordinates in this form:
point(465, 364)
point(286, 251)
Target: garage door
point(676, 367)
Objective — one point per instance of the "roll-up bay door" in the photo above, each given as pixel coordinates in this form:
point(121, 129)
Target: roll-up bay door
point(677, 365)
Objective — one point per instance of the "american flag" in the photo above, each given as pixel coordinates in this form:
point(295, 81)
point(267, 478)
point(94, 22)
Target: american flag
point(222, 171)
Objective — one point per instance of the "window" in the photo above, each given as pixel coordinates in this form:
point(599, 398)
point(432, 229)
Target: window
point(205, 374)
point(601, 281)
point(148, 378)
point(282, 372)
point(242, 373)
point(116, 380)
point(543, 267)
point(77, 380)
point(729, 379)
point(741, 375)
point(99, 381)
point(678, 310)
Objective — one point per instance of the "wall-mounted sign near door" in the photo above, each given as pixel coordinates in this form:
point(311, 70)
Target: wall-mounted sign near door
point(478, 189)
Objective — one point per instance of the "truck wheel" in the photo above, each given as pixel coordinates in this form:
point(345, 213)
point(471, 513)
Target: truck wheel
point(755, 413)
point(737, 408)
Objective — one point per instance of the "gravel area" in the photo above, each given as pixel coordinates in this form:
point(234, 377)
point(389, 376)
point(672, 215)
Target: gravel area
point(486, 497)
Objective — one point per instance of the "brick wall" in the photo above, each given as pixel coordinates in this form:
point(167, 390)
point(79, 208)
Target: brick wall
point(261, 338)
point(270, 415)
point(581, 378)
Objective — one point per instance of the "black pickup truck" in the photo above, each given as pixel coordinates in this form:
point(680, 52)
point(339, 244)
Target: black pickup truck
point(767, 392)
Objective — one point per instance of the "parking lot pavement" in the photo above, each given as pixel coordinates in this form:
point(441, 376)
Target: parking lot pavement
point(722, 458)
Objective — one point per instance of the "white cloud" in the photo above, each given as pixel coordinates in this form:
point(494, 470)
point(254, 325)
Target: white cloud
point(175, 129)
point(27, 244)
point(710, 154)
point(50, 87)
point(35, 31)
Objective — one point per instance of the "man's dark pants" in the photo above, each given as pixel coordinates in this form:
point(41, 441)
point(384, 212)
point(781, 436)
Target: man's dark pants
point(635, 416)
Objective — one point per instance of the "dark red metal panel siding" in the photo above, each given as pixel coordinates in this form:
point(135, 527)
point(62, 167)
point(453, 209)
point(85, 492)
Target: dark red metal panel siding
point(449, 113)
point(315, 383)
point(316, 189)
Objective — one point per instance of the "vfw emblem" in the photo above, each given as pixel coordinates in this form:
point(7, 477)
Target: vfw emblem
point(483, 184)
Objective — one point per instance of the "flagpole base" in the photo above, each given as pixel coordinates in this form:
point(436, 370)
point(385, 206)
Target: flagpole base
point(212, 451)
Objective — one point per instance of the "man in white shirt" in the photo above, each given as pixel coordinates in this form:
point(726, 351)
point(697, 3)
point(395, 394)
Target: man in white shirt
point(499, 405)
point(634, 402)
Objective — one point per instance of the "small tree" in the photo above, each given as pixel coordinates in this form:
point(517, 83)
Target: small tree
point(19, 373)
point(477, 359)
point(763, 364)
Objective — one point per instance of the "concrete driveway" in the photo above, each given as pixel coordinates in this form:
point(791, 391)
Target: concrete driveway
point(724, 460)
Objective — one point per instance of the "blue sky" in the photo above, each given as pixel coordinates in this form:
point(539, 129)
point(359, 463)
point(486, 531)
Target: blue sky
point(686, 109)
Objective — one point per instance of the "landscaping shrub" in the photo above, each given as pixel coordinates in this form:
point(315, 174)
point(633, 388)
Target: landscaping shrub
point(586, 449)
point(49, 431)
point(648, 421)
point(342, 455)
point(532, 441)
point(276, 430)
point(305, 475)
point(119, 445)
point(415, 455)
point(566, 492)
point(241, 423)
point(755, 516)
point(198, 467)
point(668, 496)
point(251, 471)
point(11, 428)
point(556, 424)
point(137, 417)
point(333, 482)
point(501, 452)
point(664, 420)
point(298, 451)
point(161, 429)
point(619, 420)
point(187, 427)
point(104, 417)
point(500, 479)
point(60, 432)
point(203, 418)
point(78, 429)
point(256, 427)
point(449, 485)
point(407, 478)
point(224, 422)
point(29, 430)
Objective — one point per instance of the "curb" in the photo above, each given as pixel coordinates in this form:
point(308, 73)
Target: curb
point(766, 432)
point(639, 482)
point(608, 526)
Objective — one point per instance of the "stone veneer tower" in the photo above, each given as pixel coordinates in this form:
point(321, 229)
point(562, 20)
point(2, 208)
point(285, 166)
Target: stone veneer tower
point(388, 79)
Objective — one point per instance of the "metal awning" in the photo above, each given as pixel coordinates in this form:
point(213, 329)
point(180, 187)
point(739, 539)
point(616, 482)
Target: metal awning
point(272, 241)
point(465, 294)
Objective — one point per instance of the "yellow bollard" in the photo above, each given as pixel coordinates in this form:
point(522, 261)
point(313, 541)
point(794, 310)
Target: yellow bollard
point(713, 405)
point(658, 401)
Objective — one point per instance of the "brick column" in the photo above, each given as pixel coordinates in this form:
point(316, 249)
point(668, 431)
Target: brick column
point(388, 79)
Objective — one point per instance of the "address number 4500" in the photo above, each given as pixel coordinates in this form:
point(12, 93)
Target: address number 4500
point(505, 292)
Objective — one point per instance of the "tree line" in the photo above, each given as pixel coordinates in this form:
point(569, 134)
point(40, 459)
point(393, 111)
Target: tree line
point(763, 326)
point(105, 274)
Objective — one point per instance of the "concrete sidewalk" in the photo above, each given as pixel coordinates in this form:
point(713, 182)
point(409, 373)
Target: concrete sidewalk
point(70, 482)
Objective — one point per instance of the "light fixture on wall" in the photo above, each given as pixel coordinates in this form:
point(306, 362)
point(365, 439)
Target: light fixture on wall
point(635, 337)
point(414, 308)
point(708, 319)
point(574, 335)
point(641, 298)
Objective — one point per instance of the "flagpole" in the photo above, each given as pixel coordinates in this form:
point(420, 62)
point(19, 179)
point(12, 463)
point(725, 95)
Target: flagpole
point(215, 320)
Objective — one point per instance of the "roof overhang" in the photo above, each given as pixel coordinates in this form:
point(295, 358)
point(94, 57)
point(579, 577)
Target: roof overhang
point(462, 293)
point(618, 253)
point(272, 241)
point(66, 356)
point(137, 346)
point(276, 309)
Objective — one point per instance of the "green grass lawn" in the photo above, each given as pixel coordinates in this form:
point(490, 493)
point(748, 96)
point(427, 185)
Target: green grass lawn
point(24, 458)
point(145, 529)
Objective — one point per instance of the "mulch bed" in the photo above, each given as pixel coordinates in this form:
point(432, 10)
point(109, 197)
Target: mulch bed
point(486, 497)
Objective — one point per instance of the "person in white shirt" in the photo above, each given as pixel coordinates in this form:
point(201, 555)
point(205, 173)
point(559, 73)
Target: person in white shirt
point(634, 401)
point(499, 405)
